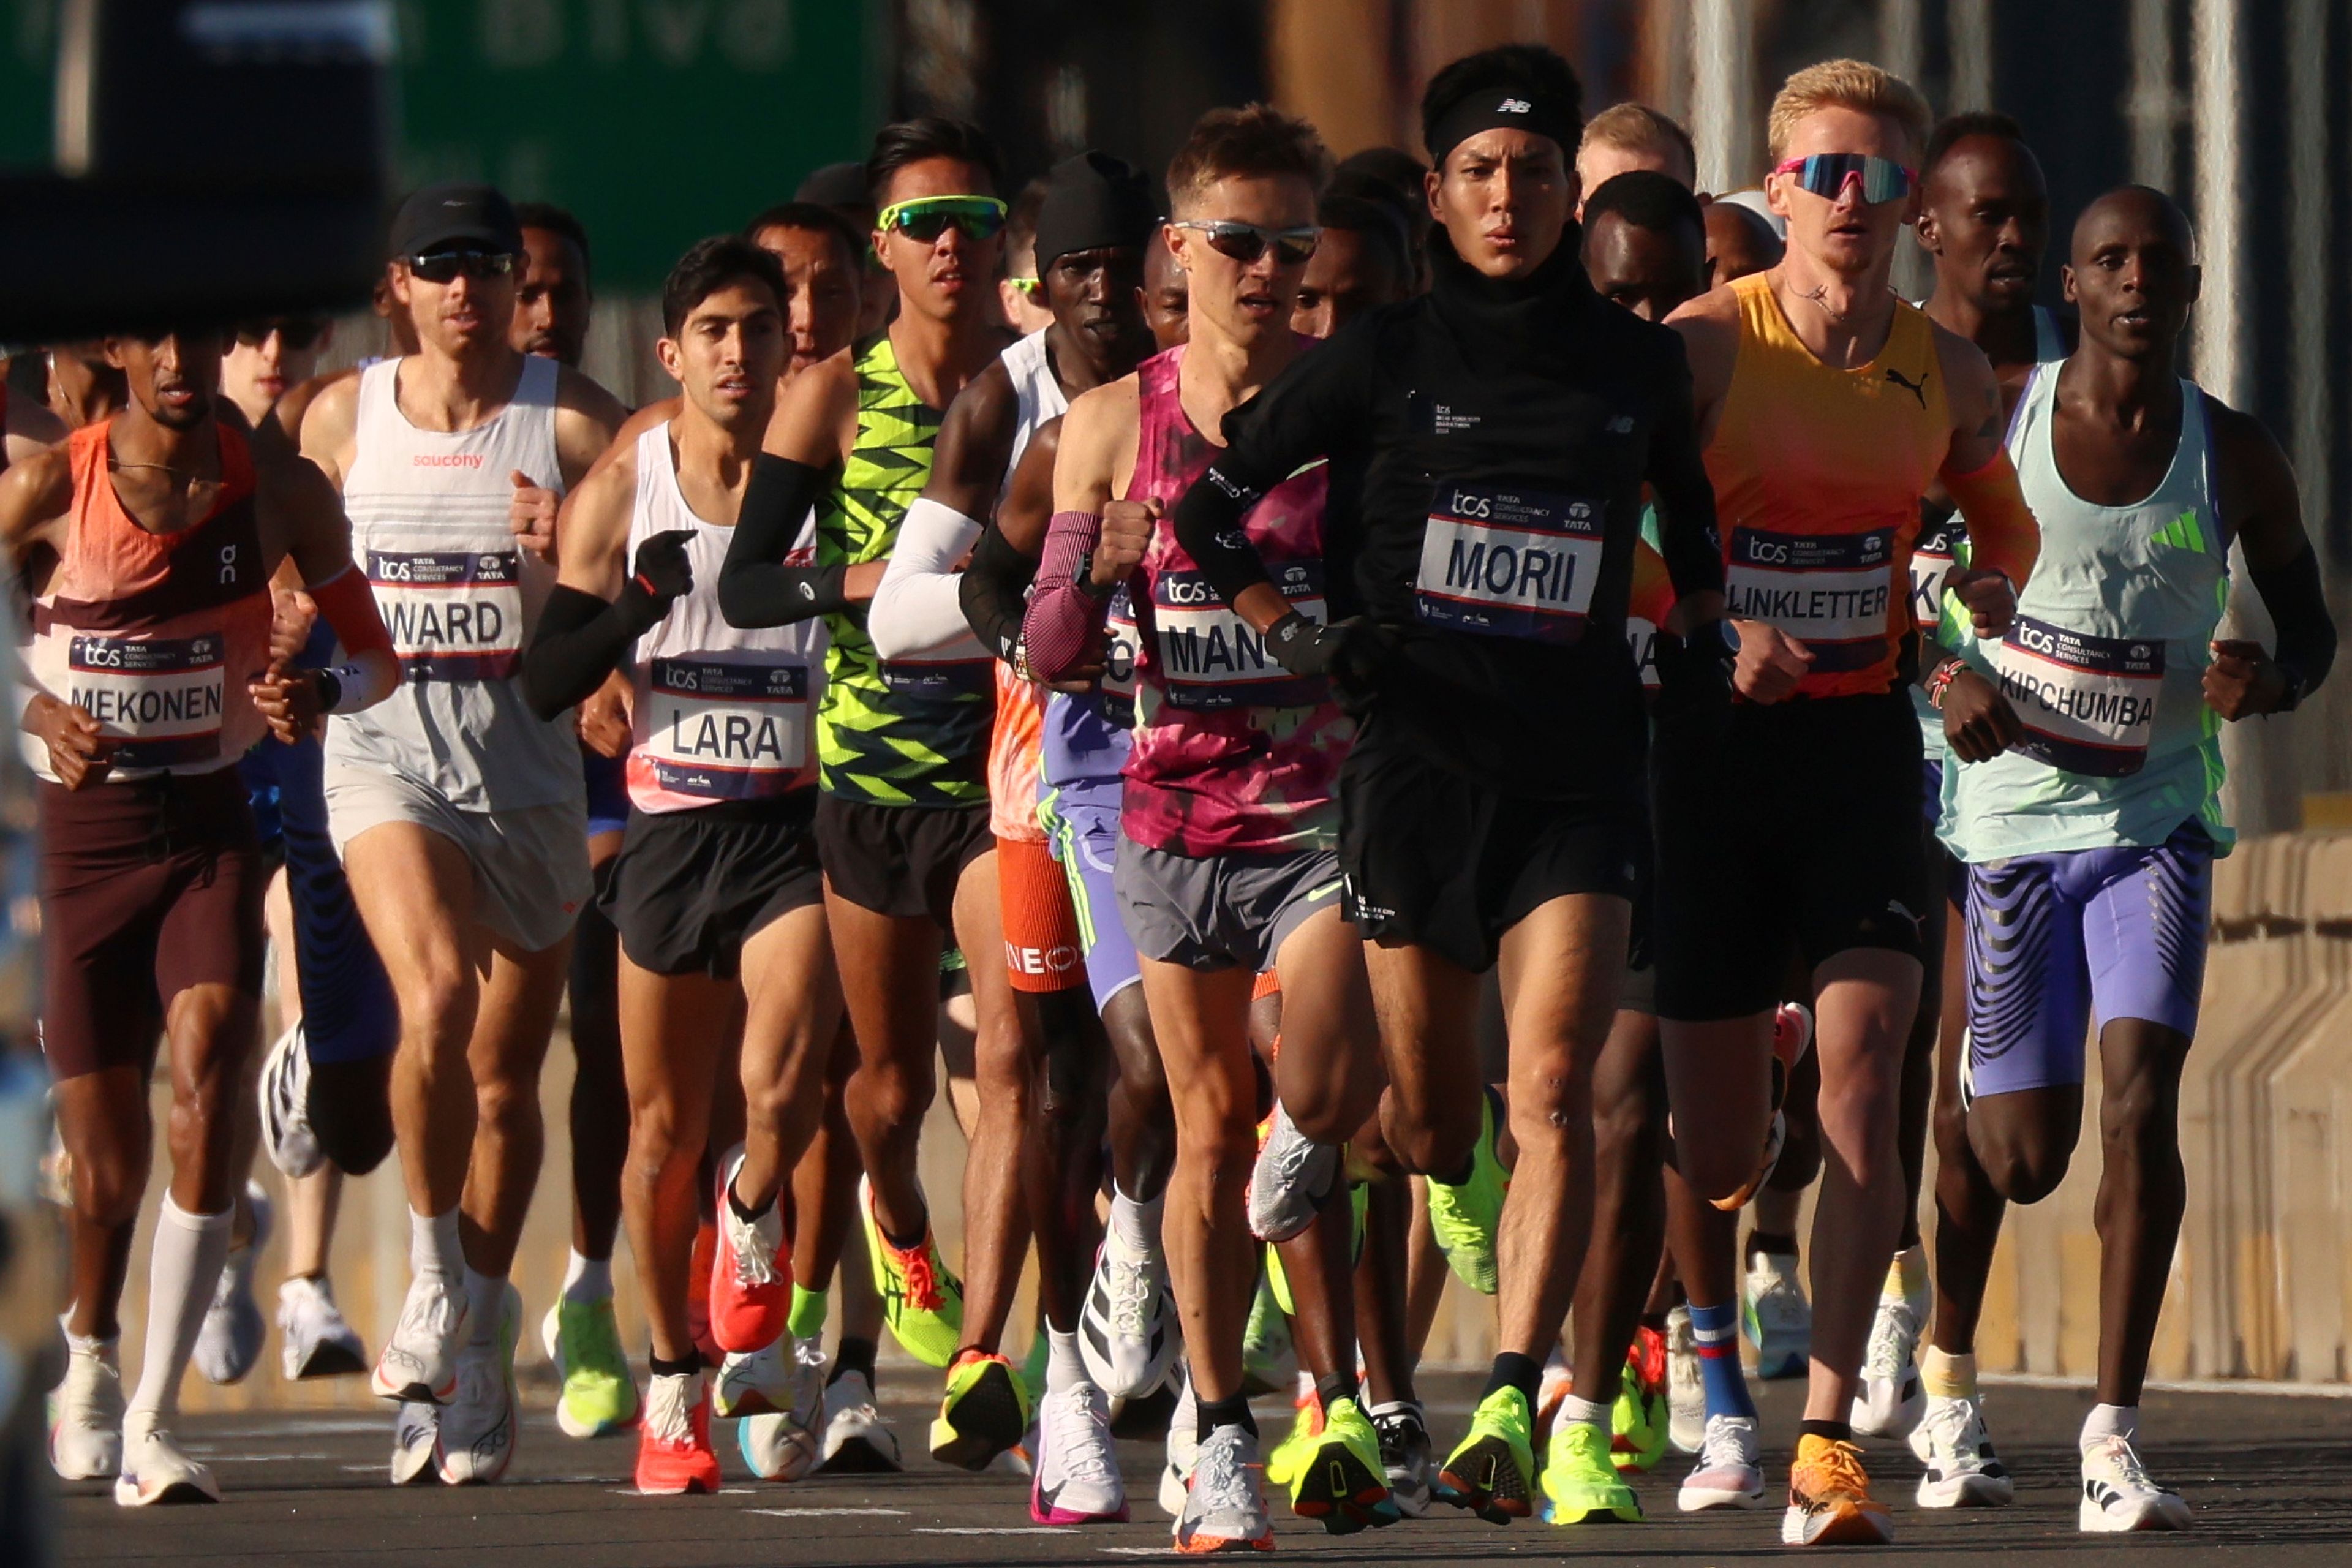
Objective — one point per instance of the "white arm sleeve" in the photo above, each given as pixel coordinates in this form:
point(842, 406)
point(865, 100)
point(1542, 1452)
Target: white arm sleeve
point(915, 612)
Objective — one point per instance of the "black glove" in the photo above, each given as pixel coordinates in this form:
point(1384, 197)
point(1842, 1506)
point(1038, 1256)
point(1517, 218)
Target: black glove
point(1694, 673)
point(662, 576)
point(1348, 651)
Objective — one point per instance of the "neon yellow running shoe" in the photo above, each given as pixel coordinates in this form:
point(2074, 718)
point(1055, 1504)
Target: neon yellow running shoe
point(600, 1393)
point(1639, 1421)
point(1287, 1458)
point(922, 1300)
point(1491, 1472)
point(1340, 1481)
point(985, 1413)
point(1580, 1485)
point(1266, 1341)
point(1466, 1217)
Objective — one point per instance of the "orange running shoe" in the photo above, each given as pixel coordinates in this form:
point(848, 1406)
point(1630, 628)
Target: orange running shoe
point(1829, 1499)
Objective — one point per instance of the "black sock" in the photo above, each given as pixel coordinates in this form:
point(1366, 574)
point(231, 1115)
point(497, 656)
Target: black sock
point(1229, 1412)
point(691, 1362)
point(1834, 1431)
point(748, 1216)
point(1513, 1370)
point(1772, 1241)
point(853, 1354)
point(1332, 1389)
point(908, 1243)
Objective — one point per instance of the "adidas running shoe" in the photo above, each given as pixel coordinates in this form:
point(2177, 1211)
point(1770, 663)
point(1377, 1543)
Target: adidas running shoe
point(283, 1091)
point(2118, 1494)
point(1127, 1334)
point(1961, 1470)
point(1778, 1320)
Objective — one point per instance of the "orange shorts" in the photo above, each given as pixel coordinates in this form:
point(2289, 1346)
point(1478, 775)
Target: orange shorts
point(1041, 927)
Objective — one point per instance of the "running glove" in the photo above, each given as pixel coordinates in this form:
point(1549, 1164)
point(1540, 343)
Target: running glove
point(1694, 672)
point(663, 571)
point(1345, 651)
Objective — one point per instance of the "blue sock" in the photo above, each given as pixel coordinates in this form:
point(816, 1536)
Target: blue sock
point(1715, 1334)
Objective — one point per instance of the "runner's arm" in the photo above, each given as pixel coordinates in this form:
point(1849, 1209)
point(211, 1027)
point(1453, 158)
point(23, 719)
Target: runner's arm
point(2002, 535)
point(2264, 512)
point(596, 609)
point(318, 543)
point(803, 449)
point(916, 608)
point(331, 425)
point(995, 589)
point(586, 418)
point(1687, 539)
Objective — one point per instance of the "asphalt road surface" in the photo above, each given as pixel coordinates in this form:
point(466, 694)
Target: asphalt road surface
point(2270, 1478)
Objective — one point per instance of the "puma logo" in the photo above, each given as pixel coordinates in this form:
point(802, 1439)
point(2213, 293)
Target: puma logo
point(1918, 389)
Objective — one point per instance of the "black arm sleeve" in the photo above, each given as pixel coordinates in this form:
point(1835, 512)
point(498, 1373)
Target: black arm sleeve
point(580, 639)
point(1686, 496)
point(995, 592)
point(2298, 605)
point(755, 587)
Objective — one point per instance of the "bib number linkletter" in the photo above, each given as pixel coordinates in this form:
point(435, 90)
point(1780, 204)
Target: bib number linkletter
point(1830, 592)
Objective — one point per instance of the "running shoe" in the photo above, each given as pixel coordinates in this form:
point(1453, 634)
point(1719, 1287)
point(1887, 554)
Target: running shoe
point(314, 1339)
point(921, 1299)
point(1730, 1468)
point(1829, 1499)
point(229, 1342)
point(1127, 1334)
point(415, 1433)
point(1402, 1428)
point(751, 1273)
point(1340, 1480)
point(780, 1441)
point(86, 1412)
point(2118, 1494)
point(155, 1468)
point(1890, 1400)
point(1962, 1471)
point(1685, 1385)
point(1776, 1317)
point(1291, 1179)
point(1638, 1421)
point(1285, 1458)
point(673, 1452)
point(284, 1092)
point(1224, 1505)
point(1581, 1485)
point(1183, 1446)
point(478, 1428)
point(985, 1413)
point(1491, 1472)
point(858, 1441)
point(1266, 1343)
point(420, 1360)
point(1792, 1036)
point(1076, 1478)
point(757, 1384)
point(1466, 1216)
point(583, 1341)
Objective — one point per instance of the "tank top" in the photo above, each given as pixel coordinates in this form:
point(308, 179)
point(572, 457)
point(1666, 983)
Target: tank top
point(910, 731)
point(154, 635)
point(1016, 742)
point(720, 714)
point(459, 594)
point(2105, 660)
point(1232, 754)
point(1818, 474)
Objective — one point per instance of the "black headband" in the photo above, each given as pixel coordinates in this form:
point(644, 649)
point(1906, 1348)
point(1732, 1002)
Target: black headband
point(1501, 108)
point(1094, 202)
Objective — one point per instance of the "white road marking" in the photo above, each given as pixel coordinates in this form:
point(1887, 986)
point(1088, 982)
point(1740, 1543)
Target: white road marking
point(992, 1530)
point(831, 1512)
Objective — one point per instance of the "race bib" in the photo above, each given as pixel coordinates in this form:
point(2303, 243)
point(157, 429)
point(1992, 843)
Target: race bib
point(2088, 703)
point(1932, 560)
point(1506, 562)
point(453, 615)
point(1119, 659)
point(1211, 658)
point(726, 731)
point(159, 698)
point(1641, 636)
point(1830, 592)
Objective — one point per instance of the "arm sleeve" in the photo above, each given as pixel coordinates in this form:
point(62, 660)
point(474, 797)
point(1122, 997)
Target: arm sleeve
point(915, 610)
point(580, 639)
point(994, 593)
point(755, 587)
point(2002, 535)
point(1687, 540)
point(2298, 602)
point(372, 669)
point(1062, 614)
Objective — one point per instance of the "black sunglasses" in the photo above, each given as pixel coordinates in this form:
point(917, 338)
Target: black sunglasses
point(1245, 242)
point(297, 333)
point(447, 266)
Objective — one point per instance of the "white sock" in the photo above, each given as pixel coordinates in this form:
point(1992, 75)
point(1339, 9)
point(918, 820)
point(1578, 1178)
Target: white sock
point(485, 1296)
point(587, 1280)
point(1575, 1411)
point(1137, 1223)
point(433, 1245)
point(2107, 1421)
point(1065, 1368)
point(181, 1270)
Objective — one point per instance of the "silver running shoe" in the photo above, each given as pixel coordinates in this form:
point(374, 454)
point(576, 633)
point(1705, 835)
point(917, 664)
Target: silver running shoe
point(1890, 1401)
point(1730, 1470)
point(1685, 1385)
point(1225, 1506)
point(229, 1342)
point(314, 1340)
point(858, 1441)
point(1292, 1178)
point(1183, 1445)
point(86, 1412)
point(420, 1360)
point(2119, 1495)
point(1962, 1471)
point(155, 1468)
point(415, 1432)
point(479, 1427)
point(1776, 1317)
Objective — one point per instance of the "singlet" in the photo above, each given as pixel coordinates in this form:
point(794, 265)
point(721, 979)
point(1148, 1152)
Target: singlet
point(459, 594)
point(2104, 662)
point(1231, 751)
point(155, 634)
point(720, 714)
point(1016, 744)
point(910, 731)
point(1818, 474)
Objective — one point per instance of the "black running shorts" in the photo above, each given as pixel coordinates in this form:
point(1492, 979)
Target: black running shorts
point(690, 888)
point(901, 860)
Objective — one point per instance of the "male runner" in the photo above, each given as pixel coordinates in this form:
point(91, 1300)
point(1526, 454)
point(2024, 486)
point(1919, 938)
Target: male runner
point(1022, 290)
point(2090, 837)
point(1493, 801)
point(845, 190)
point(1828, 407)
point(1628, 136)
point(151, 673)
point(1738, 241)
point(554, 291)
point(457, 811)
point(821, 257)
point(264, 358)
point(1363, 261)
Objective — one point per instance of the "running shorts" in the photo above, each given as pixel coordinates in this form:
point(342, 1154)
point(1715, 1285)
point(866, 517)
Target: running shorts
point(530, 863)
point(148, 887)
point(1041, 951)
point(1084, 835)
point(900, 860)
point(2064, 942)
point(1438, 860)
point(1221, 911)
point(690, 888)
point(1794, 823)
point(607, 781)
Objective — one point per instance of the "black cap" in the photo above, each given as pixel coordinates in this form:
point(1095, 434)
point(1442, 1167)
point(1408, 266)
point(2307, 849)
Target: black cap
point(1094, 202)
point(439, 217)
point(836, 186)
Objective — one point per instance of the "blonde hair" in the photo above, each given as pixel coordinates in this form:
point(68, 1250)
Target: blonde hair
point(1255, 140)
point(1847, 84)
point(1638, 128)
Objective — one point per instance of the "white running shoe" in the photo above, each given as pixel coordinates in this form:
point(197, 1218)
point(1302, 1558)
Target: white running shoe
point(1076, 1478)
point(1962, 1471)
point(230, 1340)
point(479, 1427)
point(1730, 1470)
point(415, 1431)
point(1776, 1317)
point(1402, 1428)
point(1126, 1334)
point(781, 1442)
point(2118, 1494)
point(86, 1412)
point(1292, 1178)
point(314, 1339)
point(759, 1382)
point(156, 1470)
point(1183, 1445)
point(858, 1441)
point(284, 1092)
point(1891, 1399)
point(1224, 1505)
point(1685, 1385)
point(420, 1360)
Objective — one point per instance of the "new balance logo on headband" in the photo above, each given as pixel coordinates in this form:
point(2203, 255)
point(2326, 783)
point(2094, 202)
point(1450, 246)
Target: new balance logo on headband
point(1513, 106)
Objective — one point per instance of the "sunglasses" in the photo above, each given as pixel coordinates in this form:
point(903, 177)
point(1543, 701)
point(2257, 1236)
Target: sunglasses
point(1245, 242)
point(296, 332)
point(1028, 287)
point(447, 266)
point(925, 218)
point(1825, 176)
